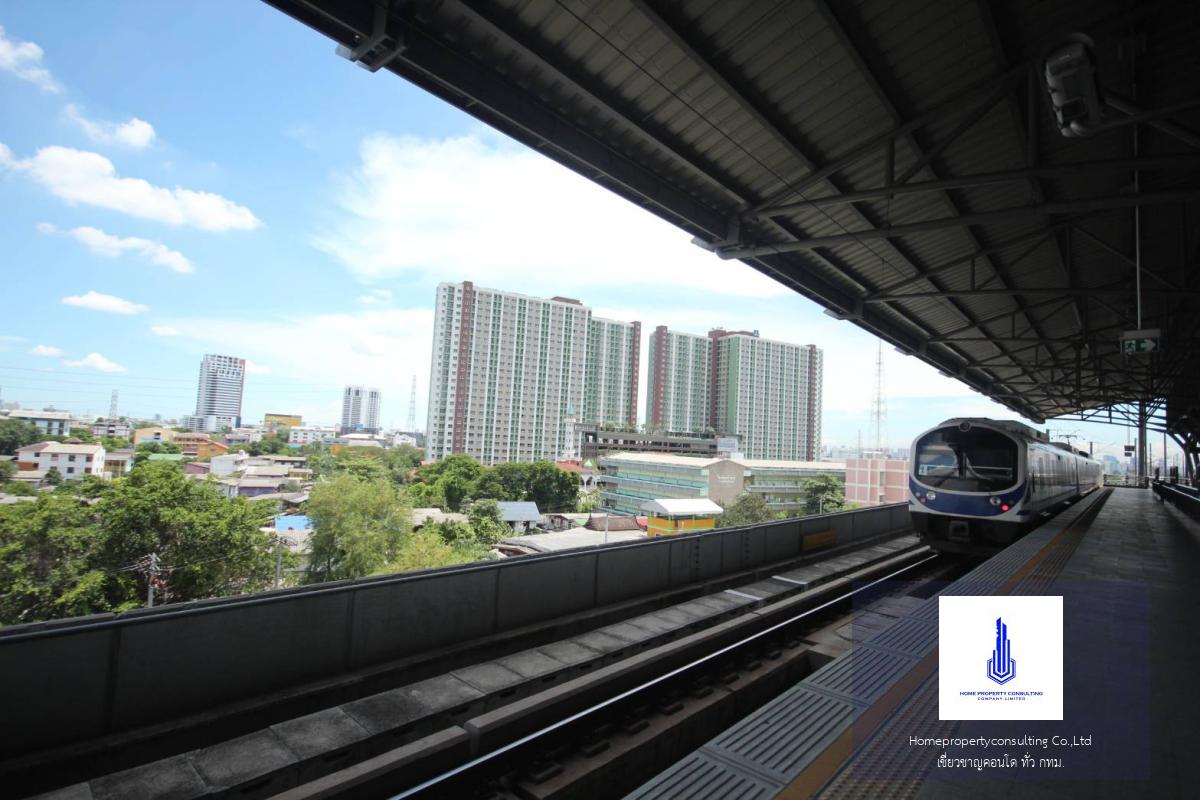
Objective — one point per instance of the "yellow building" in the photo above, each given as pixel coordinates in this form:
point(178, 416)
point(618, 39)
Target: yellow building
point(273, 422)
point(670, 516)
point(153, 435)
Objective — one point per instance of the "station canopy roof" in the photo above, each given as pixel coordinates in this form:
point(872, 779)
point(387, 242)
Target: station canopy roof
point(898, 162)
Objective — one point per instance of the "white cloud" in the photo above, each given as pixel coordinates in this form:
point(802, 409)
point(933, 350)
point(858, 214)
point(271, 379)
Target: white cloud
point(46, 350)
point(82, 177)
point(134, 133)
point(376, 297)
point(95, 361)
point(480, 208)
point(24, 60)
point(104, 302)
point(164, 330)
point(110, 246)
point(254, 368)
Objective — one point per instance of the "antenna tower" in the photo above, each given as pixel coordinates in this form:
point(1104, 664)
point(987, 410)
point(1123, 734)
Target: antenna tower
point(112, 407)
point(879, 404)
point(412, 406)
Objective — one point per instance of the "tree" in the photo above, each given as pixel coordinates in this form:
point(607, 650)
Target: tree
point(401, 461)
point(554, 490)
point(823, 494)
point(365, 465)
point(53, 476)
point(49, 565)
point(15, 434)
point(588, 502)
point(213, 545)
point(82, 434)
point(424, 550)
point(486, 521)
point(358, 526)
point(749, 509)
point(7, 470)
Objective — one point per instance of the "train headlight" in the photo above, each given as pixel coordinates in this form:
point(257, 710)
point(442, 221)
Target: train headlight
point(931, 496)
point(994, 501)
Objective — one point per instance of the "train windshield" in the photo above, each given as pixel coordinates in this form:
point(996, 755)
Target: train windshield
point(977, 460)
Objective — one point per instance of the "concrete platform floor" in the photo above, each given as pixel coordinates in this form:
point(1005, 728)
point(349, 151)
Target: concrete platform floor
point(1131, 609)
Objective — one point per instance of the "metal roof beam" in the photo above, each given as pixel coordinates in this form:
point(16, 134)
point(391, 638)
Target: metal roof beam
point(1148, 163)
point(1030, 213)
point(1058, 291)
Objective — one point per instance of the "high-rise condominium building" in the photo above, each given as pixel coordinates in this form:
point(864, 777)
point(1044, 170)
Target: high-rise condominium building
point(360, 409)
point(218, 394)
point(610, 386)
point(678, 382)
point(769, 394)
point(511, 374)
point(765, 392)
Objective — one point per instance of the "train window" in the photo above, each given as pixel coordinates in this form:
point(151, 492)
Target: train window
point(978, 460)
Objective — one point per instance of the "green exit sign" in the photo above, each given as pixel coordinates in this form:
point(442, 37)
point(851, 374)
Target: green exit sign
point(1140, 341)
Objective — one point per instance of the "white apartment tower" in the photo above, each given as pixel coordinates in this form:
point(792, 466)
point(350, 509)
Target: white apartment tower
point(510, 372)
point(610, 385)
point(360, 409)
point(678, 382)
point(218, 394)
point(768, 393)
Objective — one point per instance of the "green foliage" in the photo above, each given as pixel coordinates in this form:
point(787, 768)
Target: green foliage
point(7, 470)
point(61, 556)
point(18, 488)
point(486, 522)
point(554, 490)
point(272, 444)
point(359, 526)
point(588, 502)
point(401, 461)
point(749, 509)
point(150, 448)
point(823, 494)
point(15, 434)
point(49, 552)
point(111, 443)
point(53, 476)
point(366, 466)
point(213, 542)
point(424, 550)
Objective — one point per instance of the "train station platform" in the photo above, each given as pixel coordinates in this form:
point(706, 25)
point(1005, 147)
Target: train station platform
point(1127, 565)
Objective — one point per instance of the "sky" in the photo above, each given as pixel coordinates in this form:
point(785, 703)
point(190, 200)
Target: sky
point(190, 178)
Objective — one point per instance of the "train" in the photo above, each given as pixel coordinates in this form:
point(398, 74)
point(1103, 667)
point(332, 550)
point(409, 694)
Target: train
point(977, 485)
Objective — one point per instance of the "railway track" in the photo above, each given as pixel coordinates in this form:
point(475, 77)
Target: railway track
point(606, 732)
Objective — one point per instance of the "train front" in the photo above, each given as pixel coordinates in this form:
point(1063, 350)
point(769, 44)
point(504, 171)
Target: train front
point(966, 486)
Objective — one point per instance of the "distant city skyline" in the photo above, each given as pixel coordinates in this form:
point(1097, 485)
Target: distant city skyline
point(308, 240)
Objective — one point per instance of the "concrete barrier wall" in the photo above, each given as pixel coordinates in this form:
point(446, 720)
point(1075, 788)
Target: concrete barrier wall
point(71, 680)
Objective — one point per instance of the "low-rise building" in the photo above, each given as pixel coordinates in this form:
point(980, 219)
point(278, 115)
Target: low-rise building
point(668, 517)
point(210, 423)
point(227, 464)
point(520, 515)
point(302, 435)
point(250, 487)
point(627, 480)
point(51, 423)
point(73, 461)
point(117, 463)
point(273, 422)
point(874, 479)
point(111, 428)
point(154, 434)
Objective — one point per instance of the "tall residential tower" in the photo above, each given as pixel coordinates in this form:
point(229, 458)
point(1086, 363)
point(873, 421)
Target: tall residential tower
point(218, 394)
point(765, 392)
point(512, 374)
point(360, 409)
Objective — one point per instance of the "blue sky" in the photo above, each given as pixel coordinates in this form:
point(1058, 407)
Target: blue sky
point(183, 178)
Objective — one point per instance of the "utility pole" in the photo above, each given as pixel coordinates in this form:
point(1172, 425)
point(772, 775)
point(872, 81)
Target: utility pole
point(280, 541)
point(152, 570)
